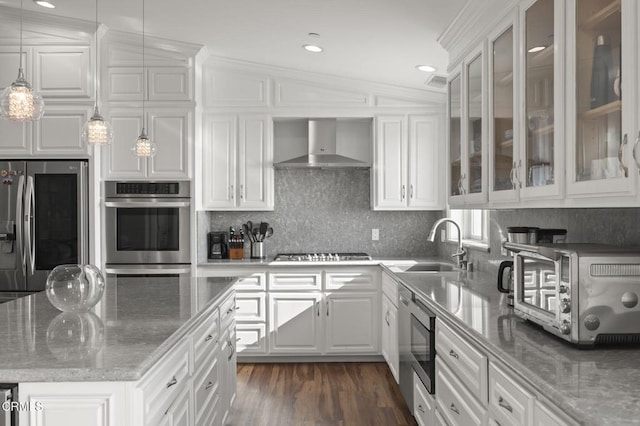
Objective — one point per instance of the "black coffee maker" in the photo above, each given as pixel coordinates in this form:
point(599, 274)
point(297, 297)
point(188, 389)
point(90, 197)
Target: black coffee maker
point(218, 246)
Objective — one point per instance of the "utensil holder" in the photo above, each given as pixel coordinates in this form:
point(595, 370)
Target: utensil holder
point(258, 250)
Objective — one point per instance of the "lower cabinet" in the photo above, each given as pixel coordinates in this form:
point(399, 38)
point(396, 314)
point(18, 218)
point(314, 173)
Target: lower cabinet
point(459, 407)
point(423, 403)
point(351, 323)
point(193, 384)
point(389, 336)
point(294, 323)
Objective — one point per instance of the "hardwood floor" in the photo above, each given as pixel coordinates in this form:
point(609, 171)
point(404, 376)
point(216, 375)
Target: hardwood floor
point(318, 394)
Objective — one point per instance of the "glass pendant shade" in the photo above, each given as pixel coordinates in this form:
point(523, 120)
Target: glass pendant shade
point(20, 103)
point(97, 130)
point(144, 147)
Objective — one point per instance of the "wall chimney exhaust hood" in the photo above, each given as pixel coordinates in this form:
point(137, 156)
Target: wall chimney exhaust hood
point(322, 149)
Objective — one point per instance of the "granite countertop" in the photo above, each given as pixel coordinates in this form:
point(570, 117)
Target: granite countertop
point(136, 322)
point(271, 262)
point(594, 386)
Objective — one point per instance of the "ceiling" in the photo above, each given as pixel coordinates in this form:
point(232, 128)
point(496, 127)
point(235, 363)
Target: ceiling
point(374, 40)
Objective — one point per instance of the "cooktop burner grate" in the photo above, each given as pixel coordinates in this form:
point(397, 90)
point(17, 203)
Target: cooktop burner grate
point(321, 257)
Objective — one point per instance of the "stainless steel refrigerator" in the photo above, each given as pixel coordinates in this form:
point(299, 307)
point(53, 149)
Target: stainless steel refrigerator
point(43, 220)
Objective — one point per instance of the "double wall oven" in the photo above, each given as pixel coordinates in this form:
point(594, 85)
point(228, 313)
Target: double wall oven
point(417, 327)
point(147, 228)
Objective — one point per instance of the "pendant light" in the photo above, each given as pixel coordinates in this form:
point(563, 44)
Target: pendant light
point(97, 131)
point(19, 102)
point(143, 147)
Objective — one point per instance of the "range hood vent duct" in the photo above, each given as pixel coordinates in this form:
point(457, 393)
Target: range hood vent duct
point(322, 149)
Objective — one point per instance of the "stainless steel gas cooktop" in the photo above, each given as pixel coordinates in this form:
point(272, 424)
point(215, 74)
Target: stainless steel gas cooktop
point(321, 257)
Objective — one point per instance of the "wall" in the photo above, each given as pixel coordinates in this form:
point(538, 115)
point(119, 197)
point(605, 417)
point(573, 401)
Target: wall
point(328, 210)
point(609, 226)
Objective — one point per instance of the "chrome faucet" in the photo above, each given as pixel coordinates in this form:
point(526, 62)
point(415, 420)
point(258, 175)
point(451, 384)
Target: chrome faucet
point(461, 253)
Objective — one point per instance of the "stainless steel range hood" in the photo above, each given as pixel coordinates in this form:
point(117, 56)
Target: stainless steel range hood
point(322, 149)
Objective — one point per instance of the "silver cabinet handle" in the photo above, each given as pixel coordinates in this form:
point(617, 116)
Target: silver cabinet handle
point(454, 409)
point(453, 354)
point(402, 192)
point(318, 308)
point(411, 191)
point(232, 350)
point(172, 382)
point(30, 248)
point(635, 147)
point(241, 192)
point(504, 404)
point(209, 337)
point(386, 318)
point(209, 386)
point(18, 224)
point(232, 193)
point(229, 310)
point(420, 408)
point(624, 168)
point(327, 308)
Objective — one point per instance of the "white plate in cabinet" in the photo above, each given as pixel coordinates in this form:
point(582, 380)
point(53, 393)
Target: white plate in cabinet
point(251, 338)
point(459, 407)
point(251, 306)
point(350, 280)
point(295, 281)
point(423, 403)
point(509, 402)
point(469, 363)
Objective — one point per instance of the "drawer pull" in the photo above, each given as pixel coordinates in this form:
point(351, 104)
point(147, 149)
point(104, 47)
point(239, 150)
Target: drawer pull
point(230, 310)
point(172, 382)
point(209, 386)
point(420, 408)
point(386, 318)
point(453, 354)
point(209, 337)
point(454, 409)
point(504, 404)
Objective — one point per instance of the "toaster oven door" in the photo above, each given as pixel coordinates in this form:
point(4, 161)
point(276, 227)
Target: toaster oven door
point(536, 287)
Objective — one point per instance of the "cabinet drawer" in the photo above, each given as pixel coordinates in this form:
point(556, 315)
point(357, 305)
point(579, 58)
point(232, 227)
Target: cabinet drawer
point(256, 281)
point(390, 288)
point(458, 406)
point(251, 306)
point(205, 386)
point(509, 402)
point(227, 311)
point(205, 337)
point(162, 384)
point(295, 281)
point(469, 363)
point(251, 338)
point(422, 403)
point(352, 280)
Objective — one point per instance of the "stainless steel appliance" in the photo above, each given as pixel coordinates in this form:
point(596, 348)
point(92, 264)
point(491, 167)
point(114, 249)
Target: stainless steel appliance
point(147, 223)
point(321, 257)
point(416, 328)
point(43, 220)
point(585, 294)
point(8, 415)
point(115, 272)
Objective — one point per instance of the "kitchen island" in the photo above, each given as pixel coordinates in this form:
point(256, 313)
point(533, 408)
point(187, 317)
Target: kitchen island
point(130, 361)
point(597, 386)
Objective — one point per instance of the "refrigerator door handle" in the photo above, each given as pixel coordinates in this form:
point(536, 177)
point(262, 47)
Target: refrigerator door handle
point(19, 219)
point(29, 238)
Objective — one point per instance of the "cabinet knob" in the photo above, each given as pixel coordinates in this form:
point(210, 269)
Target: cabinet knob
point(453, 354)
point(242, 192)
point(232, 193)
point(411, 191)
point(209, 386)
point(172, 382)
point(402, 192)
point(209, 337)
point(504, 404)
point(453, 408)
point(420, 408)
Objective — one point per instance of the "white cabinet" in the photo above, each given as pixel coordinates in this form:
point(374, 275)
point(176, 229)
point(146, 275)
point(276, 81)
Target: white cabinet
point(406, 171)
point(63, 72)
point(459, 407)
point(509, 402)
point(237, 162)
point(170, 129)
point(423, 403)
point(295, 323)
point(389, 335)
point(228, 372)
point(351, 322)
point(164, 84)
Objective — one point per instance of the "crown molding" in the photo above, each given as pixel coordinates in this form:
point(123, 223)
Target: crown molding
point(46, 24)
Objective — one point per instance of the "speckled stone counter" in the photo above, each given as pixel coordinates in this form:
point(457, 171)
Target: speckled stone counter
point(136, 322)
point(594, 386)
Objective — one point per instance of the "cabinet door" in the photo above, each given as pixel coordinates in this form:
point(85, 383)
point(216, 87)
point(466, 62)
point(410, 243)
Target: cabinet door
point(169, 84)
point(58, 132)
point(454, 137)
point(170, 131)
point(474, 128)
point(389, 343)
point(255, 163)
point(181, 413)
point(542, 122)
point(119, 161)
point(351, 323)
point(425, 177)
point(603, 123)
point(63, 71)
point(504, 179)
point(219, 162)
point(390, 163)
point(125, 84)
point(295, 323)
point(228, 364)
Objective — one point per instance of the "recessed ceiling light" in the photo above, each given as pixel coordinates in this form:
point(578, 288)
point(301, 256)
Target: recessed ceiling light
point(536, 49)
point(312, 48)
point(45, 3)
point(425, 68)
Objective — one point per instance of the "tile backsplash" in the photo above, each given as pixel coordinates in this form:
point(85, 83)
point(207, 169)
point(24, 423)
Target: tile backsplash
point(322, 210)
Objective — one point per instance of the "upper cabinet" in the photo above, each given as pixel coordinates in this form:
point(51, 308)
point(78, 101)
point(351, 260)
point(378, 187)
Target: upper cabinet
point(562, 118)
point(406, 170)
